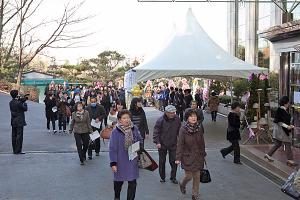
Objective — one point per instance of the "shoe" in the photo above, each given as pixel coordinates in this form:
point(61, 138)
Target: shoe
point(162, 180)
point(268, 158)
point(65, 132)
point(238, 163)
point(82, 163)
point(49, 131)
point(97, 154)
point(54, 131)
point(60, 131)
point(90, 158)
point(20, 153)
point(291, 163)
point(174, 181)
point(182, 189)
point(223, 155)
point(195, 197)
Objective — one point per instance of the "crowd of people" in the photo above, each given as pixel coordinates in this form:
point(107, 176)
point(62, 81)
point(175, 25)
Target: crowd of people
point(178, 133)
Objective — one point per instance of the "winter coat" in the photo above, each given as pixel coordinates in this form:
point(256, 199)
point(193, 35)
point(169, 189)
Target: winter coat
point(179, 101)
point(233, 130)
point(282, 118)
point(126, 170)
point(213, 103)
point(62, 106)
point(83, 125)
point(191, 150)
point(49, 104)
point(96, 112)
point(138, 118)
point(166, 131)
point(199, 99)
point(17, 109)
point(188, 99)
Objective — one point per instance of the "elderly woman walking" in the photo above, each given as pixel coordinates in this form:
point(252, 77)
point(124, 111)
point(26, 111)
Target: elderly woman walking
point(191, 152)
point(123, 136)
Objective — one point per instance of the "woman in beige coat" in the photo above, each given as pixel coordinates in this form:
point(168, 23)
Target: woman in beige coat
point(191, 152)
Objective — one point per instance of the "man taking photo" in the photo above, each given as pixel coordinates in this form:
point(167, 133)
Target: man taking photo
point(17, 106)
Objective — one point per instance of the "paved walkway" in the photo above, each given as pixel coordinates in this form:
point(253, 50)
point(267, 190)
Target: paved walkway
point(51, 170)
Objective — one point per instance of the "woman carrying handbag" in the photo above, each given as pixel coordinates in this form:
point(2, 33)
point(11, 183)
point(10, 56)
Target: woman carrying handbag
point(190, 152)
point(282, 132)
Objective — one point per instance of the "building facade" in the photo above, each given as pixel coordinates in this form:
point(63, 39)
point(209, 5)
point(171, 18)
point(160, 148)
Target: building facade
point(263, 34)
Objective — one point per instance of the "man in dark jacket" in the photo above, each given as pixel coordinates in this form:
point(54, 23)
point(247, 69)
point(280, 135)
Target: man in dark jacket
point(96, 112)
point(165, 135)
point(17, 108)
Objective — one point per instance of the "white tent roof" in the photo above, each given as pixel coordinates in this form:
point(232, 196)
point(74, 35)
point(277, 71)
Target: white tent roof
point(194, 53)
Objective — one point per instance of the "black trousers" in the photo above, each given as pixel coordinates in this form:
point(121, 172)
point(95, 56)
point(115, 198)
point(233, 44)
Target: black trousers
point(214, 115)
point(235, 147)
point(130, 190)
point(179, 112)
point(106, 117)
point(52, 120)
point(62, 122)
point(17, 139)
point(96, 144)
point(162, 162)
point(82, 143)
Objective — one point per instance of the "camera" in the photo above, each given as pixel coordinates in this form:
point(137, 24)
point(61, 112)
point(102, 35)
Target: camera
point(23, 98)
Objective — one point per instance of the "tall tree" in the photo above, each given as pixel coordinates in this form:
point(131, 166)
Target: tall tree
point(18, 32)
point(105, 63)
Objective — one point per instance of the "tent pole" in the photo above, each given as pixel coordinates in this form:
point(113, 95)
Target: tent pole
point(231, 88)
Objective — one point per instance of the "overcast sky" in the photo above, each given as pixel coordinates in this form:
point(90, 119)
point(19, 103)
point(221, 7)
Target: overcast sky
point(135, 29)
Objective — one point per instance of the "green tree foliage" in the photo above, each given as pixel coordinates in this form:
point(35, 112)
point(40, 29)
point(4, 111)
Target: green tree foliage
point(104, 65)
point(218, 86)
point(240, 86)
point(257, 83)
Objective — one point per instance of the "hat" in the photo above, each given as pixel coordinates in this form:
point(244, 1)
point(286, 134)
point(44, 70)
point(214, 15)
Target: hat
point(14, 93)
point(170, 108)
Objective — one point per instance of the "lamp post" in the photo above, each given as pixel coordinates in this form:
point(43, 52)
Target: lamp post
point(258, 110)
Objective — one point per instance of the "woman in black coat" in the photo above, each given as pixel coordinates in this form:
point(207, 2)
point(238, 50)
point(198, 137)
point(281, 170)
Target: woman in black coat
point(233, 133)
point(282, 132)
point(138, 116)
point(50, 103)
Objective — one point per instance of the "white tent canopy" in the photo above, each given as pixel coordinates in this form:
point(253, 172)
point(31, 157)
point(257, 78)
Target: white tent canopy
point(193, 53)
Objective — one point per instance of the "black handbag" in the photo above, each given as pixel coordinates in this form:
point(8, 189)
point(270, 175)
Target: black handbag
point(288, 187)
point(205, 175)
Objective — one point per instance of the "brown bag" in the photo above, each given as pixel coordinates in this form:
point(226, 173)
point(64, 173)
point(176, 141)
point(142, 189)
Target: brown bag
point(106, 132)
point(68, 111)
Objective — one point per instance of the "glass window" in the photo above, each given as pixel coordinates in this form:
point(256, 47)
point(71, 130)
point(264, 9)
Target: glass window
point(264, 16)
point(296, 11)
point(263, 53)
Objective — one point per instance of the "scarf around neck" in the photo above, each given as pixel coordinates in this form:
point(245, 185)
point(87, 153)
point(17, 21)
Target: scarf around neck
point(80, 114)
point(192, 128)
point(127, 130)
